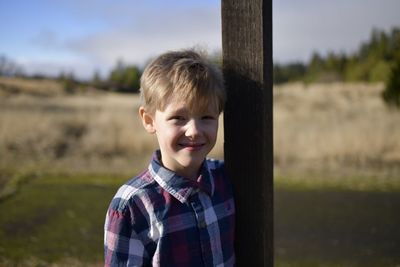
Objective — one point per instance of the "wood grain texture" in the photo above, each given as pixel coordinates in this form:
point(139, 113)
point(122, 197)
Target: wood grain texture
point(248, 144)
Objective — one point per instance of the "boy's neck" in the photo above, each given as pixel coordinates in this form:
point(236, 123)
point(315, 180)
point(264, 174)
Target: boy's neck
point(191, 173)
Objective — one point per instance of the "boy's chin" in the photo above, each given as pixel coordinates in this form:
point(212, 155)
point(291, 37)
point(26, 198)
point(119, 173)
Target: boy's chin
point(193, 156)
point(194, 162)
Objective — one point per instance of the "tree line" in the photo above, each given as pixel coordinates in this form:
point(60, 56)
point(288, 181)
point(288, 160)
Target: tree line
point(121, 78)
point(374, 61)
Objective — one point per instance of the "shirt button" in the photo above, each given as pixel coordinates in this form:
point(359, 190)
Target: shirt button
point(202, 224)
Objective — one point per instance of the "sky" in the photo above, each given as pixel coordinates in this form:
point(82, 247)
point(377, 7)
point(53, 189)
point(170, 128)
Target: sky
point(87, 36)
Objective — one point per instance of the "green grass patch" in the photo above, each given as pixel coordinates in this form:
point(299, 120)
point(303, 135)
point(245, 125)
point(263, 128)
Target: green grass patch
point(337, 222)
point(56, 217)
point(353, 183)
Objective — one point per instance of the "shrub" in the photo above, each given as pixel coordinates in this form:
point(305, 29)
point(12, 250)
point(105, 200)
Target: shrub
point(391, 94)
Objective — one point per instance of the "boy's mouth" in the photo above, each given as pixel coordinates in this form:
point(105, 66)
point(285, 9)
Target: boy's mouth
point(192, 146)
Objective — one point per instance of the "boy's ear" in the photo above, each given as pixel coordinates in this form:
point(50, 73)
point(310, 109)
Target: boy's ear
point(147, 120)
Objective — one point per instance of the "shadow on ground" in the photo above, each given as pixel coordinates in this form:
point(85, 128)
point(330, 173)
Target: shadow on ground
point(337, 227)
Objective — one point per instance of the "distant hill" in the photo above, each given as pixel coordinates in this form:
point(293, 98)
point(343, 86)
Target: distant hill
point(46, 87)
point(41, 87)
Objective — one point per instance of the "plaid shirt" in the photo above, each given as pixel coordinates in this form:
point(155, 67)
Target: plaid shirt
point(162, 219)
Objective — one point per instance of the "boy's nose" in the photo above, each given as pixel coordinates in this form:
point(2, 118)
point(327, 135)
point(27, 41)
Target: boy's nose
point(193, 129)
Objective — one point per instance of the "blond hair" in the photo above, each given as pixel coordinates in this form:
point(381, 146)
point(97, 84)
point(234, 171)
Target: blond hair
point(185, 76)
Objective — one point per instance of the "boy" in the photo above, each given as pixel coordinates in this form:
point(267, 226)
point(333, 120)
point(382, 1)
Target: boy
point(180, 211)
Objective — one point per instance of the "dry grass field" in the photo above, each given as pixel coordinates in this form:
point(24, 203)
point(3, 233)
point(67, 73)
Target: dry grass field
point(93, 132)
point(334, 128)
point(12, 86)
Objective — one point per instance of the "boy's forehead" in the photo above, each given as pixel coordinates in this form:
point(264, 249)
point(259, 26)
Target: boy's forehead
point(176, 105)
point(180, 105)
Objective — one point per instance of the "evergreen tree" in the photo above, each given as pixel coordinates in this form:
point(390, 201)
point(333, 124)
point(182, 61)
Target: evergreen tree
point(125, 78)
point(391, 95)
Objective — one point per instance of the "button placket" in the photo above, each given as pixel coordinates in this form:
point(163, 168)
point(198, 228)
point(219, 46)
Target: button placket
point(198, 209)
point(202, 227)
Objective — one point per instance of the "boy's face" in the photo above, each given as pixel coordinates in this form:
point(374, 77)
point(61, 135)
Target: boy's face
point(185, 137)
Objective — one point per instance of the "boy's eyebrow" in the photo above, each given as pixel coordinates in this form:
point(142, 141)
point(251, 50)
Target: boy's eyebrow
point(187, 110)
point(179, 110)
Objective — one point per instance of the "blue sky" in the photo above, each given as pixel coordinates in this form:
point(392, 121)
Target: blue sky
point(82, 36)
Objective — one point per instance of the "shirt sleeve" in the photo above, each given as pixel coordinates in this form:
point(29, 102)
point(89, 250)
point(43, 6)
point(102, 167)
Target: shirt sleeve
point(122, 245)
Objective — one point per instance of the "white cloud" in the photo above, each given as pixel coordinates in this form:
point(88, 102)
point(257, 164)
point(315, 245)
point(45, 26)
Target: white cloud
point(140, 32)
point(54, 67)
point(303, 27)
point(137, 42)
point(133, 34)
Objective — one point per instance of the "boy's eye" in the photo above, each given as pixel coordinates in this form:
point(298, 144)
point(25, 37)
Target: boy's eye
point(208, 117)
point(177, 118)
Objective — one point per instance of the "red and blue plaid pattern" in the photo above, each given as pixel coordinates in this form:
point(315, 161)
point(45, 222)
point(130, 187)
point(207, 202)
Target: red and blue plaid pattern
point(161, 219)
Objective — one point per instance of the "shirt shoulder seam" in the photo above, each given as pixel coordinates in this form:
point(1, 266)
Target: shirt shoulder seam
point(130, 189)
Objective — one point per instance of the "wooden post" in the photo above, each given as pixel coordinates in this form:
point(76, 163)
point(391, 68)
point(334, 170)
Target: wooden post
point(247, 64)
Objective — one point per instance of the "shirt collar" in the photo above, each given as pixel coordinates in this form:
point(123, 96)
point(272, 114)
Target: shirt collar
point(180, 187)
